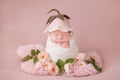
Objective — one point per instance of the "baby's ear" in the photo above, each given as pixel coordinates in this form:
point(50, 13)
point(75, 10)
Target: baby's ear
point(71, 32)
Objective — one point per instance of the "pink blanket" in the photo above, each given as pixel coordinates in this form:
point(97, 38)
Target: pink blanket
point(80, 66)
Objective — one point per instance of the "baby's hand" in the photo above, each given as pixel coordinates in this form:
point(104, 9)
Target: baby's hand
point(65, 44)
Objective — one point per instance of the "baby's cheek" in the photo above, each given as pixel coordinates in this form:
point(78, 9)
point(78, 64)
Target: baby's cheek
point(66, 37)
point(53, 38)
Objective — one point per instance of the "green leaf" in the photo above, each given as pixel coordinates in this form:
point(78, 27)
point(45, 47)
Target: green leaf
point(37, 52)
point(60, 72)
point(69, 60)
point(33, 52)
point(60, 63)
point(35, 59)
point(98, 68)
point(26, 58)
point(92, 61)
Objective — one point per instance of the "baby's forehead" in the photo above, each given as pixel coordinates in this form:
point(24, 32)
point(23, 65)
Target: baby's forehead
point(58, 31)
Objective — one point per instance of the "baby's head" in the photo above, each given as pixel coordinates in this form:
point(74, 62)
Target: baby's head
point(59, 36)
point(59, 29)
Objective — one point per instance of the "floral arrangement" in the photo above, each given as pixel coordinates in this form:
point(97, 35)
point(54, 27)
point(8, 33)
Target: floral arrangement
point(42, 64)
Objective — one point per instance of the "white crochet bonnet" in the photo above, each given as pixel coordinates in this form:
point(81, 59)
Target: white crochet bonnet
point(58, 22)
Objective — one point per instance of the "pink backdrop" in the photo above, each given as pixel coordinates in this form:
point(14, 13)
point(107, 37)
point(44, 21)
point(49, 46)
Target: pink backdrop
point(96, 22)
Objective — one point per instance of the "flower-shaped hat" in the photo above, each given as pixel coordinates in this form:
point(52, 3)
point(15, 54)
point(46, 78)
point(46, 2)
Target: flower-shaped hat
point(58, 22)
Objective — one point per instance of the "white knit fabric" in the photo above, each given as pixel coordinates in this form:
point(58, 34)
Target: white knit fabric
point(59, 24)
point(57, 52)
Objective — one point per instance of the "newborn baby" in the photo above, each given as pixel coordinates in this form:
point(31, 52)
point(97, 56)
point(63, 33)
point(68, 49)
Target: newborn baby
point(60, 38)
point(61, 43)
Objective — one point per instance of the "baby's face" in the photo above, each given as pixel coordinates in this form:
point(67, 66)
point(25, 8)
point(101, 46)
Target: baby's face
point(59, 36)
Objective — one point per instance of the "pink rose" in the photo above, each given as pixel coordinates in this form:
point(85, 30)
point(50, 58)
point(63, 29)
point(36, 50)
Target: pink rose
point(80, 63)
point(42, 67)
point(43, 56)
point(84, 70)
point(80, 56)
point(53, 69)
point(68, 68)
point(79, 71)
point(97, 58)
